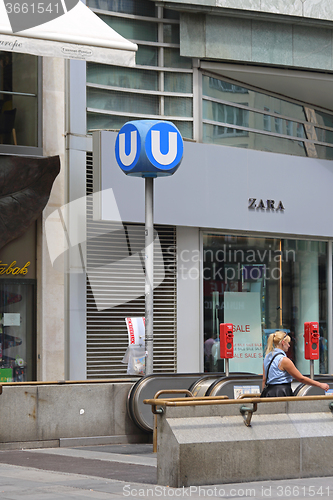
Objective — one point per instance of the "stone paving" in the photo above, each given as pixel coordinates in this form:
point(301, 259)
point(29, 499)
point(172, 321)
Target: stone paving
point(117, 472)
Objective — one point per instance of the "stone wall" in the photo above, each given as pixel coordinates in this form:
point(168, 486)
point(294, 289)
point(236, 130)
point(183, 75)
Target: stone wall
point(43, 415)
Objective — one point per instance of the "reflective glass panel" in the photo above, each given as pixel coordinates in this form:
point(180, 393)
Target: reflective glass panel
point(146, 56)
point(139, 8)
point(171, 33)
point(170, 14)
point(261, 285)
point(237, 116)
point(172, 59)
point(324, 135)
point(178, 106)
point(324, 118)
point(229, 136)
point(178, 82)
point(122, 77)
point(185, 128)
point(18, 99)
point(97, 121)
point(324, 152)
point(132, 29)
point(226, 91)
point(122, 102)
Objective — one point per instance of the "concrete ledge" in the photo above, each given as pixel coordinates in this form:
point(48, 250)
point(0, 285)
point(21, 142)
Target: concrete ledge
point(40, 414)
point(69, 442)
point(29, 445)
point(92, 441)
point(211, 445)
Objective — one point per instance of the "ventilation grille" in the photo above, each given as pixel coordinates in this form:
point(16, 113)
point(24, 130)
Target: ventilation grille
point(115, 290)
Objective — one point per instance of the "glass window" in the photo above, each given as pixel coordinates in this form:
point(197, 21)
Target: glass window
point(324, 135)
point(178, 106)
point(103, 74)
point(96, 121)
point(178, 82)
point(122, 102)
point(267, 122)
point(278, 123)
point(213, 87)
point(18, 99)
point(142, 8)
point(260, 285)
point(171, 14)
point(133, 30)
point(324, 118)
point(324, 152)
point(171, 33)
point(225, 114)
point(134, 105)
point(185, 128)
point(172, 59)
point(146, 56)
point(229, 136)
point(290, 127)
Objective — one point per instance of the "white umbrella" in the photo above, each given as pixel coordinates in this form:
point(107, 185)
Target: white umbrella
point(78, 34)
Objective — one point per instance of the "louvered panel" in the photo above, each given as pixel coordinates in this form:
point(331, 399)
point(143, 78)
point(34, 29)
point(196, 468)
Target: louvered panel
point(115, 290)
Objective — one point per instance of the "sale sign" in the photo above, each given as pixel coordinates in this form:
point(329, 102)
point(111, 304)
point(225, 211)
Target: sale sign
point(243, 311)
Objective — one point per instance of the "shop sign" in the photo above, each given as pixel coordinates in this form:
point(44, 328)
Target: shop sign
point(11, 269)
point(149, 148)
point(268, 205)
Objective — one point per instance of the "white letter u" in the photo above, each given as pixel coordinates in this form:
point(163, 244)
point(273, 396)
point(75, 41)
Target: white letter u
point(125, 159)
point(169, 157)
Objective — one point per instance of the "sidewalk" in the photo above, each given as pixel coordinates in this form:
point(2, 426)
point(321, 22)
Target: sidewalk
point(124, 471)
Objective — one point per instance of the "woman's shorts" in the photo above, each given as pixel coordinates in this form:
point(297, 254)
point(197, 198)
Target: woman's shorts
point(279, 390)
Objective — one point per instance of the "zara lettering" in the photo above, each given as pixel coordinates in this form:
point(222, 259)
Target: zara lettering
point(268, 205)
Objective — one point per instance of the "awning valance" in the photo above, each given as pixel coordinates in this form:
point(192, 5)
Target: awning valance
point(78, 34)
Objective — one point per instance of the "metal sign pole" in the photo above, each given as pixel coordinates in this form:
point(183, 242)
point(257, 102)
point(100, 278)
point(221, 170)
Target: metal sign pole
point(148, 149)
point(149, 272)
point(226, 367)
point(312, 369)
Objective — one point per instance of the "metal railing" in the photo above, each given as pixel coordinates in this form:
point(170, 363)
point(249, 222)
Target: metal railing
point(246, 411)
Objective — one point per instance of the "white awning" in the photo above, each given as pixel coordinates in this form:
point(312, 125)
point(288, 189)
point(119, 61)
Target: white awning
point(78, 34)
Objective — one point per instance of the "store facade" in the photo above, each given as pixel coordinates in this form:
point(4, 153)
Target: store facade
point(25, 283)
point(241, 215)
point(247, 212)
point(20, 133)
point(233, 257)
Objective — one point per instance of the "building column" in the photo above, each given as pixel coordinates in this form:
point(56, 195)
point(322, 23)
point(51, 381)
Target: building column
point(50, 280)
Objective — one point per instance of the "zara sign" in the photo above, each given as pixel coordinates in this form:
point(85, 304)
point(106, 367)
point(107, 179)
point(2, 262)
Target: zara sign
point(149, 148)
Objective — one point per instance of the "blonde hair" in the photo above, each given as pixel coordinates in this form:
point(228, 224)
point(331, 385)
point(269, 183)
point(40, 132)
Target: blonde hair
point(274, 340)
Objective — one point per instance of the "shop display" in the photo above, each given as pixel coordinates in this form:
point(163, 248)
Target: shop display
point(11, 368)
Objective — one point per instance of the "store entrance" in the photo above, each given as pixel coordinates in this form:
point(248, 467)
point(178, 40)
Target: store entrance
point(261, 285)
point(17, 330)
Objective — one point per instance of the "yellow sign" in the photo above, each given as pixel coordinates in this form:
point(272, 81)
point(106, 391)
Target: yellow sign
point(11, 269)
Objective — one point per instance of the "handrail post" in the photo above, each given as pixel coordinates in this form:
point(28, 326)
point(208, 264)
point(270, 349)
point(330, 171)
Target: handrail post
point(155, 411)
point(247, 413)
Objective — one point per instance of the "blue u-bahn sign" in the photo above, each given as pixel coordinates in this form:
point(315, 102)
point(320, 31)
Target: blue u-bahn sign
point(149, 148)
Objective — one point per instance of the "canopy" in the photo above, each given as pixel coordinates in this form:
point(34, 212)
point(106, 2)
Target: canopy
point(78, 34)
